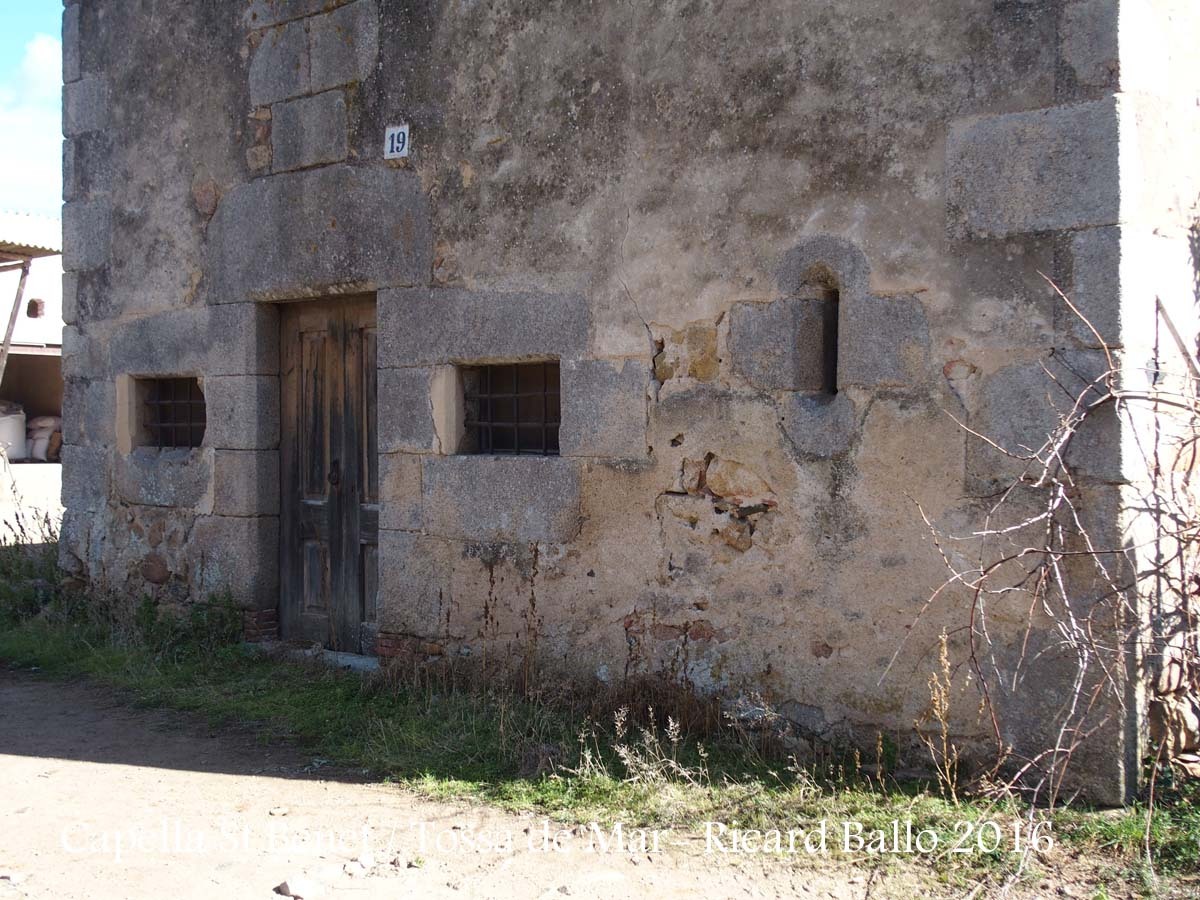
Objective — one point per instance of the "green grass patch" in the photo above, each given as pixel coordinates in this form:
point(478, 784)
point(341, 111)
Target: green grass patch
point(1167, 836)
point(449, 741)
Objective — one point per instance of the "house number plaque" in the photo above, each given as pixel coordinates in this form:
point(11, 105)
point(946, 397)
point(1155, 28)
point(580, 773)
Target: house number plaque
point(395, 142)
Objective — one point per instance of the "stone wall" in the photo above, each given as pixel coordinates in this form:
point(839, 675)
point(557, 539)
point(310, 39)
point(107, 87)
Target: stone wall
point(665, 197)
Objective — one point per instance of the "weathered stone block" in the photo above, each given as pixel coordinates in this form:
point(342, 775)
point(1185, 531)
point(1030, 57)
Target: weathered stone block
point(1044, 170)
point(264, 13)
point(236, 555)
point(85, 478)
point(400, 491)
point(883, 342)
point(85, 106)
point(1104, 765)
point(603, 409)
point(246, 483)
point(1101, 509)
point(89, 412)
point(345, 44)
point(824, 261)
point(83, 355)
point(70, 178)
point(819, 427)
point(1095, 287)
point(232, 339)
point(87, 234)
point(70, 44)
point(242, 412)
point(781, 346)
point(1088, 41)
point(309, 131)
point(406, 418)
point(169, 477)
point(1020, 407)
point(690, 352)
point(337, 227)
point(414, 582)
point(280, 68)
point(74, 533)
point(431, 327)
point(89, 165)
point(495, 498)
point(70, 299)
point(94, 297)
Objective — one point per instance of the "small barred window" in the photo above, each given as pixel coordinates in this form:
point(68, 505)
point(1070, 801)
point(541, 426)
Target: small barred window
point(173, 412)
point(512, 409)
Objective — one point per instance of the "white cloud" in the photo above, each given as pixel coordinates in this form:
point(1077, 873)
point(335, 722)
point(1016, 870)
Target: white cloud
point(41, 67)
point(31, 130)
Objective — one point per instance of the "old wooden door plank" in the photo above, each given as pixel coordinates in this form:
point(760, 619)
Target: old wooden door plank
point(347, 420)
point(329, 471)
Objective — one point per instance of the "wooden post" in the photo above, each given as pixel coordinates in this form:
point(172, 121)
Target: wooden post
point(12, 319)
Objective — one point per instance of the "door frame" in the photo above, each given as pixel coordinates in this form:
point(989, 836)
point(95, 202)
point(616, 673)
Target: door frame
point(351, 497)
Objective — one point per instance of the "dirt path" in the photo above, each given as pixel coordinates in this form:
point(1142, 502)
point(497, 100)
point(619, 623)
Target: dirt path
point(99, 800)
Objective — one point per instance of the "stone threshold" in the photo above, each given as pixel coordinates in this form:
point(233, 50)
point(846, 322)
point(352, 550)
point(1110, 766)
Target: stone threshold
point(335, 659)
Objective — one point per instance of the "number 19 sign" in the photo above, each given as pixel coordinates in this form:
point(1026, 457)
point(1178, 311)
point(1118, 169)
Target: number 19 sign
point(395, 142)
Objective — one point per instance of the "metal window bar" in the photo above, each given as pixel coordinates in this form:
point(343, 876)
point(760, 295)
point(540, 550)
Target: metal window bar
point(516, 409)
point(175, 412)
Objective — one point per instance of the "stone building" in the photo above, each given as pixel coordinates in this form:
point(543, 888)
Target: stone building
point(718, 270)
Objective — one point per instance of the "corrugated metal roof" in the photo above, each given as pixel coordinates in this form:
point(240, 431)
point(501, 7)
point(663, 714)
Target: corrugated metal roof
point(23, 234)
point(36, 349)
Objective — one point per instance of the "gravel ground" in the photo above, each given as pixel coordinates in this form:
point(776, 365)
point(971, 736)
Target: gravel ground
point(101, 800)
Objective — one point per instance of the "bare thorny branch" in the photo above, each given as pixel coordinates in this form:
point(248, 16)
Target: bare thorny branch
point(1100, 603)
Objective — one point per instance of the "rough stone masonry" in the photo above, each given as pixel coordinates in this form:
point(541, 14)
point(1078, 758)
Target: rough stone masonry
point(773, 246)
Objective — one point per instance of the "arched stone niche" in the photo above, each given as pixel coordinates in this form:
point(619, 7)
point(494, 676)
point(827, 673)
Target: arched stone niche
point(827, 343)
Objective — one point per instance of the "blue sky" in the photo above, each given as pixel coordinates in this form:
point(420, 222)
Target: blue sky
point(30, 106)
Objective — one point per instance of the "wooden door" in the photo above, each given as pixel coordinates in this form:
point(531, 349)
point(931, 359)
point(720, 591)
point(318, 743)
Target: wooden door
point(330, 480)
